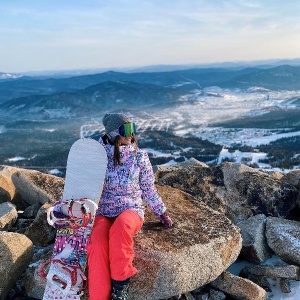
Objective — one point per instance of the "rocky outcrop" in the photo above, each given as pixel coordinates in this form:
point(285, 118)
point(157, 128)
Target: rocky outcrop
point(251, 192)
point(236, 190)
point(189, 259)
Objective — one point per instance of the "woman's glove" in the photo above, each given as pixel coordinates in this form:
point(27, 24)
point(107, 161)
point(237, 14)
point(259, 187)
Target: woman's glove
point(166, 220)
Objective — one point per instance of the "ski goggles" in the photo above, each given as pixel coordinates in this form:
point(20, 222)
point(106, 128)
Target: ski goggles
point(127, 129)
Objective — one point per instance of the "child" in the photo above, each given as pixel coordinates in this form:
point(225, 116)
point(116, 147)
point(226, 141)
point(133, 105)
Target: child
point(129, 180)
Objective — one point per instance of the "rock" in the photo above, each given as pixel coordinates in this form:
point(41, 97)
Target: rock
point(8, 215)
point(162, 170)
point(286, 272)
point(292, 178)
point(40, 232)
point(284, 285)
point(31, 211)
point(239, 288)
point(216, 295)
point(251, 192)
point(275, 175)
point(255, 247)
point(200, 246)
point(16, 253)
point(283, 237)
point(205, 184)
point(36, 187)
point(175, 263)
point(8, 192)
point(261, 281)
point(22, 225)
point(34, 283)
point(235, 190)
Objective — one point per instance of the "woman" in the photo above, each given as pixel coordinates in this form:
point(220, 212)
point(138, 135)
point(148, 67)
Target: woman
point(129, 180)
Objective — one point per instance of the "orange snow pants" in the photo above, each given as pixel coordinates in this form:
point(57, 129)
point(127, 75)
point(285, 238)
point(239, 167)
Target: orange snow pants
point(110, 252)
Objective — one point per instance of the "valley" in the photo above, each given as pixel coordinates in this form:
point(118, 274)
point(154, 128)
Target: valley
point(210, 115)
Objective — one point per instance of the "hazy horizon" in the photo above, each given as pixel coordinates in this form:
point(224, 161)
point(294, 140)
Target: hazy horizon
point(38, 36)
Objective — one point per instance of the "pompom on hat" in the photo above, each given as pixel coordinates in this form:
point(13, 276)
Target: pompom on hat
point(112, 122)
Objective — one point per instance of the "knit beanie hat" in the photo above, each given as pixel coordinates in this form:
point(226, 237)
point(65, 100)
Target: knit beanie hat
point(112, 122)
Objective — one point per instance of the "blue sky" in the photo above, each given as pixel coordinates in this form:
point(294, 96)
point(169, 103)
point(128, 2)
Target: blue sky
point(73, 34)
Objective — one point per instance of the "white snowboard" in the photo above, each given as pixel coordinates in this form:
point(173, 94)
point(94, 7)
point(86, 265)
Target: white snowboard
point(85, 174)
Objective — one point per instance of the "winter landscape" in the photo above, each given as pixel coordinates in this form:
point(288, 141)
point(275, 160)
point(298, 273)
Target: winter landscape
point(242, 115)
point(214, 89)
point(213, 115)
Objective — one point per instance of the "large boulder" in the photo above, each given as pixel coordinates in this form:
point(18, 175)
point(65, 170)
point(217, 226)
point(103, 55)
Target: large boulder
point(200, 246)
point(251, 192)
point(36, 187)
point(255, 247)
point(283, 237)
point(204, 183)
point(16, 253)
point(235, 190)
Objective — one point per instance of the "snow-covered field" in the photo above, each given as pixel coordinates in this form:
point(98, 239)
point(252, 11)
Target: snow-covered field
point(203, 107)
point(198, 110)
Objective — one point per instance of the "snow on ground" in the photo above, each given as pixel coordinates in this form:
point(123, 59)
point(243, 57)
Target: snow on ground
point(202, 107)
point(241, 157)
point(17, 158)
point(55, 172)
point(248, 136)
point(157, 153)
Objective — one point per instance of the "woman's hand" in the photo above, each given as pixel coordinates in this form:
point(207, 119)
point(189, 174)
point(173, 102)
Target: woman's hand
point(166, 220)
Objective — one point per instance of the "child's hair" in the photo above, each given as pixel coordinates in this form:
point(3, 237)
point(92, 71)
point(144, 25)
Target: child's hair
point(117, 144)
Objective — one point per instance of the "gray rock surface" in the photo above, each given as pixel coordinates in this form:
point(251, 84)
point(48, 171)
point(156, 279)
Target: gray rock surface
point(251, 192)
point(255, 247)
point(284, 272)
point(283, 237)
point(235, 190)
point(162, 170)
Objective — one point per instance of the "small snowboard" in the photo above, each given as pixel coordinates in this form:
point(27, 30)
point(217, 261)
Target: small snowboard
point(85, 173)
